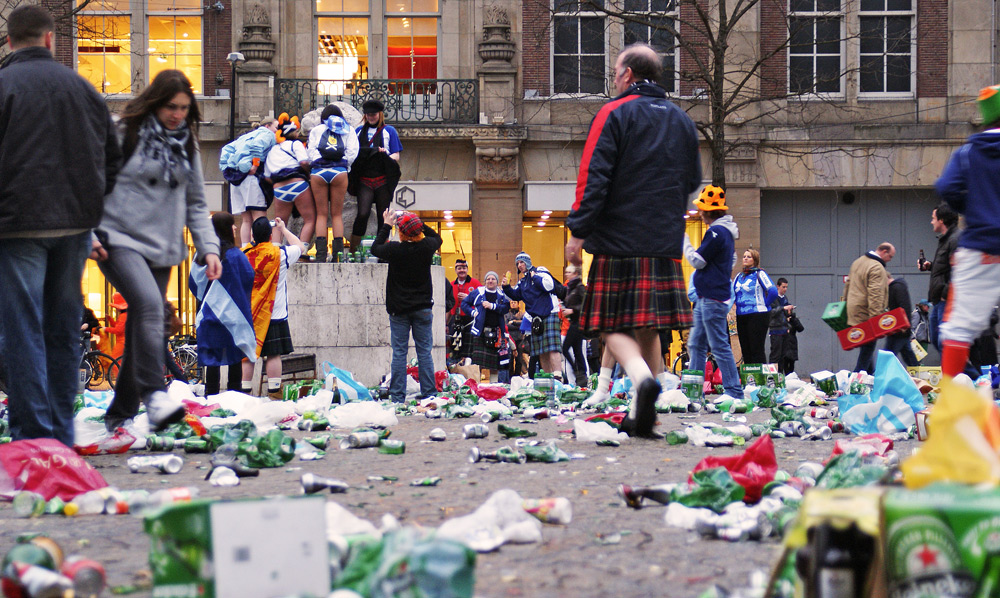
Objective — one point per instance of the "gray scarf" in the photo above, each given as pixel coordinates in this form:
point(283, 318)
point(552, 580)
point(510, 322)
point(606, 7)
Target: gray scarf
point(166, 147)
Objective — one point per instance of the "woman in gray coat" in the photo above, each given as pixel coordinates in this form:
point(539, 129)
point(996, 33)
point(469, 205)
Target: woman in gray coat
point(160, 190)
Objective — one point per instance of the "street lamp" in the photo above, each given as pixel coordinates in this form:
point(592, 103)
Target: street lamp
point(234, 59)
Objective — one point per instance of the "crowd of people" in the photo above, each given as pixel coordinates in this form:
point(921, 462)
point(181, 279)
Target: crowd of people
point(125, 191)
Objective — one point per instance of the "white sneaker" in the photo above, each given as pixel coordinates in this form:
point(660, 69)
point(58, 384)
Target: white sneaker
point(163, 410)
point(596, 398)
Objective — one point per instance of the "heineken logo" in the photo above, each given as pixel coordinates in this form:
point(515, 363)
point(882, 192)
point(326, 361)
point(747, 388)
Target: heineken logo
point(856, 335)
point(887, 321)
point(924, 560)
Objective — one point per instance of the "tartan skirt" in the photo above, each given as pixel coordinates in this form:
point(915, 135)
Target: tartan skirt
point(627, 293)
point(278, 340)
point(465, 323)
point(485, 354)
point(550, 339)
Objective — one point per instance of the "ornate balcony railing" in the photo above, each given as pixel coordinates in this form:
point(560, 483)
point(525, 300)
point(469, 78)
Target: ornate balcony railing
point(416, 101)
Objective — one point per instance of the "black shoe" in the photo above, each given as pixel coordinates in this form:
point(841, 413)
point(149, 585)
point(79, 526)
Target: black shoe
point(321, 249)
point(645, 412)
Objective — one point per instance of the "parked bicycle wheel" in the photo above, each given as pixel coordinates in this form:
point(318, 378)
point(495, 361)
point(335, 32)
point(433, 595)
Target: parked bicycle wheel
point(187, 360)
point(100, 370)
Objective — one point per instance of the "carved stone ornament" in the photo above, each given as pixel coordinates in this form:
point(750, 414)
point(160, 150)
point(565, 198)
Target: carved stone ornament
point(496, 163)
point(496, 45)
point(256, 44)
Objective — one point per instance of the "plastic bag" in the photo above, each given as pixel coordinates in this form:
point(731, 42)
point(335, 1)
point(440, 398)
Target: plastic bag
point(321, 401)
point(596, 431)
point(491, 392)
point(891, 378)
point(45, 466)
point(752, 469)
point(849, 470)
point(110, 443)
point(711, 488)
point(354, 415)
point(869, 444)
point(500, 519)
point(349, 388)
point(962, 446)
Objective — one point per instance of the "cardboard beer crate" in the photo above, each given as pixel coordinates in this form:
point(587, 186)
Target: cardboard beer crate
point(235, 549)
point(835, 315)
point(890, 322)
point(855, 336)
point(762, 374)
point(941, 540)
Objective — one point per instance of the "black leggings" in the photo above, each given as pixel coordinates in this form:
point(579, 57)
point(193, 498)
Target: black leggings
point(366, 195)
point(213, 375)
point(752, 331)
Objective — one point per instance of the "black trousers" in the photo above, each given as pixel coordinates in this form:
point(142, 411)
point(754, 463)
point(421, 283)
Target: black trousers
point(752, 332)
point(213, 378)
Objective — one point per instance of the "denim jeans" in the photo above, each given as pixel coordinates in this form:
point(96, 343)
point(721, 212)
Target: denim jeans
point(900, 346)
point(934, 320)
point(866, 358)
point(41, 309)
point(712, 332)
point(420, 322)
point(144, 288)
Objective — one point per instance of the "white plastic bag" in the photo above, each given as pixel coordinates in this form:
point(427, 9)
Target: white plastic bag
point(354, 415)
point(596, 431)
point(319, 402)
point(500, 519)
point(672, 398)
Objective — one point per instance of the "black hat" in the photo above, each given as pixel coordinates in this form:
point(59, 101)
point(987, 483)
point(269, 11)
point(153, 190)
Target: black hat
point(372, 107)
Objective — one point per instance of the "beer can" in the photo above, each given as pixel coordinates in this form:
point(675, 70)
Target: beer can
point(160, 443)
point(438, 435)
point(321, 442)
point(360, 440)
point(169, 464)
point(313, 425)
point(392, 447)
point(195, 445)
point(28, 504)
point(476, 431)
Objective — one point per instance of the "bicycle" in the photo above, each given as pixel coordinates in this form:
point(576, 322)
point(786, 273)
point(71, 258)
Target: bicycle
point(98, 370)
point(184, 352)
point(680, 362)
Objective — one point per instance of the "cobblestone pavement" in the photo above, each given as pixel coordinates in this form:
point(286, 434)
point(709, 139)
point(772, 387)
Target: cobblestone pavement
point(607, 550)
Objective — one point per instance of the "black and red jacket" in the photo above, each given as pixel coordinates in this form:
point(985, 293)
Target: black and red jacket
point(640, 165)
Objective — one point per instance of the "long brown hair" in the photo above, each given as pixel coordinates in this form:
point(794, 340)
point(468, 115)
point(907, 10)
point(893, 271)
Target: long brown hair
point(164, 87)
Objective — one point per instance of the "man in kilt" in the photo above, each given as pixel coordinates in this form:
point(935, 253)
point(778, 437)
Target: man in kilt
point(640, 163)
point(537, 288)
point(461, 324)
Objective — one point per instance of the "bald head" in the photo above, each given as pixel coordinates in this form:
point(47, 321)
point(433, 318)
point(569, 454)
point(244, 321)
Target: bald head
point(643, 61)
point(886, 251)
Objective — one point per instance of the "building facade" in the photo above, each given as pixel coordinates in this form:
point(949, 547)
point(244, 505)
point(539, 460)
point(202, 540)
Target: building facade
point(843, 112)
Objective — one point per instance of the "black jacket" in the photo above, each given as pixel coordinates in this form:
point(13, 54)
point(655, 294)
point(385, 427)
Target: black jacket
point(941, 266)
point(899, 296)
point(408, 286)
point(575, 291)
point(59, 154)
point(639, 167)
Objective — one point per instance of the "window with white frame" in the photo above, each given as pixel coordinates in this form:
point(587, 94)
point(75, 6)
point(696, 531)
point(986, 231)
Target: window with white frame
point(885, 62)
point(578, 48)
point(815, 46)
point(652, 22)
point(106, 57)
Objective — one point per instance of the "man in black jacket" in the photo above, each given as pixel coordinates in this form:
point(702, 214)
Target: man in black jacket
point(944, 220)
point(409, 296)
point(639, 166)
point(58, 158)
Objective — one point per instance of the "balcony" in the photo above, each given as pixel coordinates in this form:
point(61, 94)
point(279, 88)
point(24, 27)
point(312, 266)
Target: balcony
point(407, 101)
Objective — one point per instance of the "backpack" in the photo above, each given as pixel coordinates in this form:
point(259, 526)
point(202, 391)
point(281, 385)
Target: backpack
point(331, 149)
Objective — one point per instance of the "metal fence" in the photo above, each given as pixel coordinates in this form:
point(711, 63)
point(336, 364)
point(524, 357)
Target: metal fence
point(415, 101)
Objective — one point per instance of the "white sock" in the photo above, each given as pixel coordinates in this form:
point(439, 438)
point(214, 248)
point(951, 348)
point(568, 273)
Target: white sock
point(247, 386)
point(639, 372)
point(604, 380)
point(273, 384)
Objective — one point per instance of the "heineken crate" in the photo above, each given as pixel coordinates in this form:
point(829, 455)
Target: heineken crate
point(855, 336)
point(235, 549)
point(762, 374)
point(826, 381)
point(942, 541)
point(835, 315)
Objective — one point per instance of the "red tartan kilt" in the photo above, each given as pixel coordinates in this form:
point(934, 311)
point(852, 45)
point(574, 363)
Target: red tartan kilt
point(627, 293)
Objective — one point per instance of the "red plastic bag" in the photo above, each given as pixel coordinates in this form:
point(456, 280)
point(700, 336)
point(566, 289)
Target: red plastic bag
point(440, 378)
point(869, 444)
point(199, 409)
point(613, 419)
point(414, 372)
point(114, 443)
point(491, 393)
point(752, 469)
point(45, 466)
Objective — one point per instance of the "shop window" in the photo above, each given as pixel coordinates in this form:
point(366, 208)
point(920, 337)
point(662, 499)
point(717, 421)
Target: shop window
point(104, 45)
point(175, 43)
point(343, 49)
point(412, 48)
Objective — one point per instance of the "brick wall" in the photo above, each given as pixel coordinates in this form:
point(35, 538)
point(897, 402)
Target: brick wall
point(64, 31)
point(689, 32)
point(773, 33)
point(932, 48)
point(535, 54)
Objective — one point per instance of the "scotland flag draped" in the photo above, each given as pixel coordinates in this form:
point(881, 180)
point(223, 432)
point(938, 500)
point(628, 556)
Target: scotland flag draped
point(224, 324)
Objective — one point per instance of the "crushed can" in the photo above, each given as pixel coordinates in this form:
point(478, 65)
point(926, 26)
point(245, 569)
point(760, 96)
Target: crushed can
point(438, 435)
point(360, 440)
point(168, 464)
point(475, 431)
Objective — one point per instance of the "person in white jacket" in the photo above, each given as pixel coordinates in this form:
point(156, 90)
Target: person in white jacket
point(333, 146)
point(287, 166)
point(239, 162)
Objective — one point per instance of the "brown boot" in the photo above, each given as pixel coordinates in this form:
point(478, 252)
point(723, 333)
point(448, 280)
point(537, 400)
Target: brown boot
point(276, 395)
point(355, 242)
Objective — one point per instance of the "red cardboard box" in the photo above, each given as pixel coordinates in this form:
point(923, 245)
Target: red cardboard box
point(855, 336)
point(890, 322)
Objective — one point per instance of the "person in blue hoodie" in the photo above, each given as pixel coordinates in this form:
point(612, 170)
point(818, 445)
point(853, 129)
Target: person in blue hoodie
point(538, 290)
point(970, 184)
point(713, 261)
point(754, 293)
point(242, 164)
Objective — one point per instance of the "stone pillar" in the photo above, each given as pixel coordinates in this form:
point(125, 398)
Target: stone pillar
point(497, 205)
point(497, 74)
point(256, 94)
point(743, 195)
